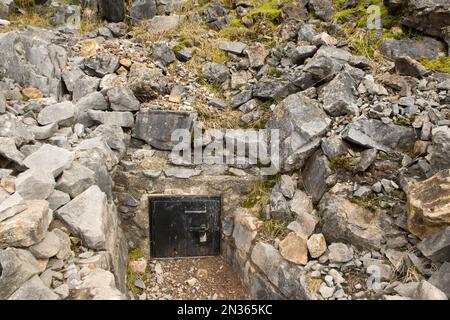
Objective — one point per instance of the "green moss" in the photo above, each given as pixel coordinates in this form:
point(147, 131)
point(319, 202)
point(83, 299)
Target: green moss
point(406, 122)
point(135, 254)
point(369, 201)
point(234, 32)
point(342, 162)
point(219, 56)
point(441, 64)
point(269, 10)
point(131, 276)
point(236, 23)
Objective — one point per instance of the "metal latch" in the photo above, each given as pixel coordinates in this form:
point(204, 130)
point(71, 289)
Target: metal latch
point(202, 228)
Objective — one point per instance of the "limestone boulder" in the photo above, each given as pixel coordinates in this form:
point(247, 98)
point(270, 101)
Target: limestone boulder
point(294, 248)
point(301, 123)
point(429, 205)
point(27, 227)
point(343, 220)
point(86, 216)
point(17, 266)
point(50, 158)
point(156, 127)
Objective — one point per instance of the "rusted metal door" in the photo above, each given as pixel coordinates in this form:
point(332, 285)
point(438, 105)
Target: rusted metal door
point(184, 226)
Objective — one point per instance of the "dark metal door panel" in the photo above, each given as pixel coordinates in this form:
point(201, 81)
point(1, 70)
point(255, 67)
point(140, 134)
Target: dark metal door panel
point(203, 227)
point(185, 226)
point(168, 231)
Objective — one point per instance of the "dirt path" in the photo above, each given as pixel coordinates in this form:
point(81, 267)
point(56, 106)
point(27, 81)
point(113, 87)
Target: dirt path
point(193, 279)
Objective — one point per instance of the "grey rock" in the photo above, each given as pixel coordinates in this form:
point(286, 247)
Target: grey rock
point(182, 173)
point(17, 267)
point(115, 118)
point(113, 135)
point(9, 150)
point(162, 53)
point(378, 269)
point(92, 101)
point(44, 132)
point(249, 106)
point(35, 184)
point(6, 7)
point(62, 291)
point(142, 9)
point(86, 217)
point(217, 103)
point(27, 227)
point(146, 83)
point(245, 230)
point(269, 88)
point(299, 54)
point(113, 11)
point(156, 127)
point(11, 206)
point(305, 223)
point(100, 285)
point(322, 9)
point(216, 73)
point(164, 23)
point(306, 33)
point(63, 113)
point(326, 291)
point(426, 47)
point(118, 29)
point(122, 99)
point(339, 253)
point(315, 175)
point(362, 191)
point(216, 15)
point(367, 158)
point(440, 153)
point(66, 18)
point(287, 186)
point(40, 62)
point(409, 67)
point(287, 278)
point(301, 123)
point(232, 47)
point(241, 98)
point(184, 54)
point(70, 76)
point(426, 16)
point(426, 291)
point(375, 134)
point(437, 246)
point(65, 244)
point(57, 199)
point(83, 86)
point(441, 278)
point(338, 95)
point(49, 158)
point(3, 103)
point(256, 54)
point(75, 180)
point(278, 206)
point(47, 248)
point(96, 155)
point(301, 203)
point(333, 147)
point(101, 65)
point(321, 68)
point(343, 220)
